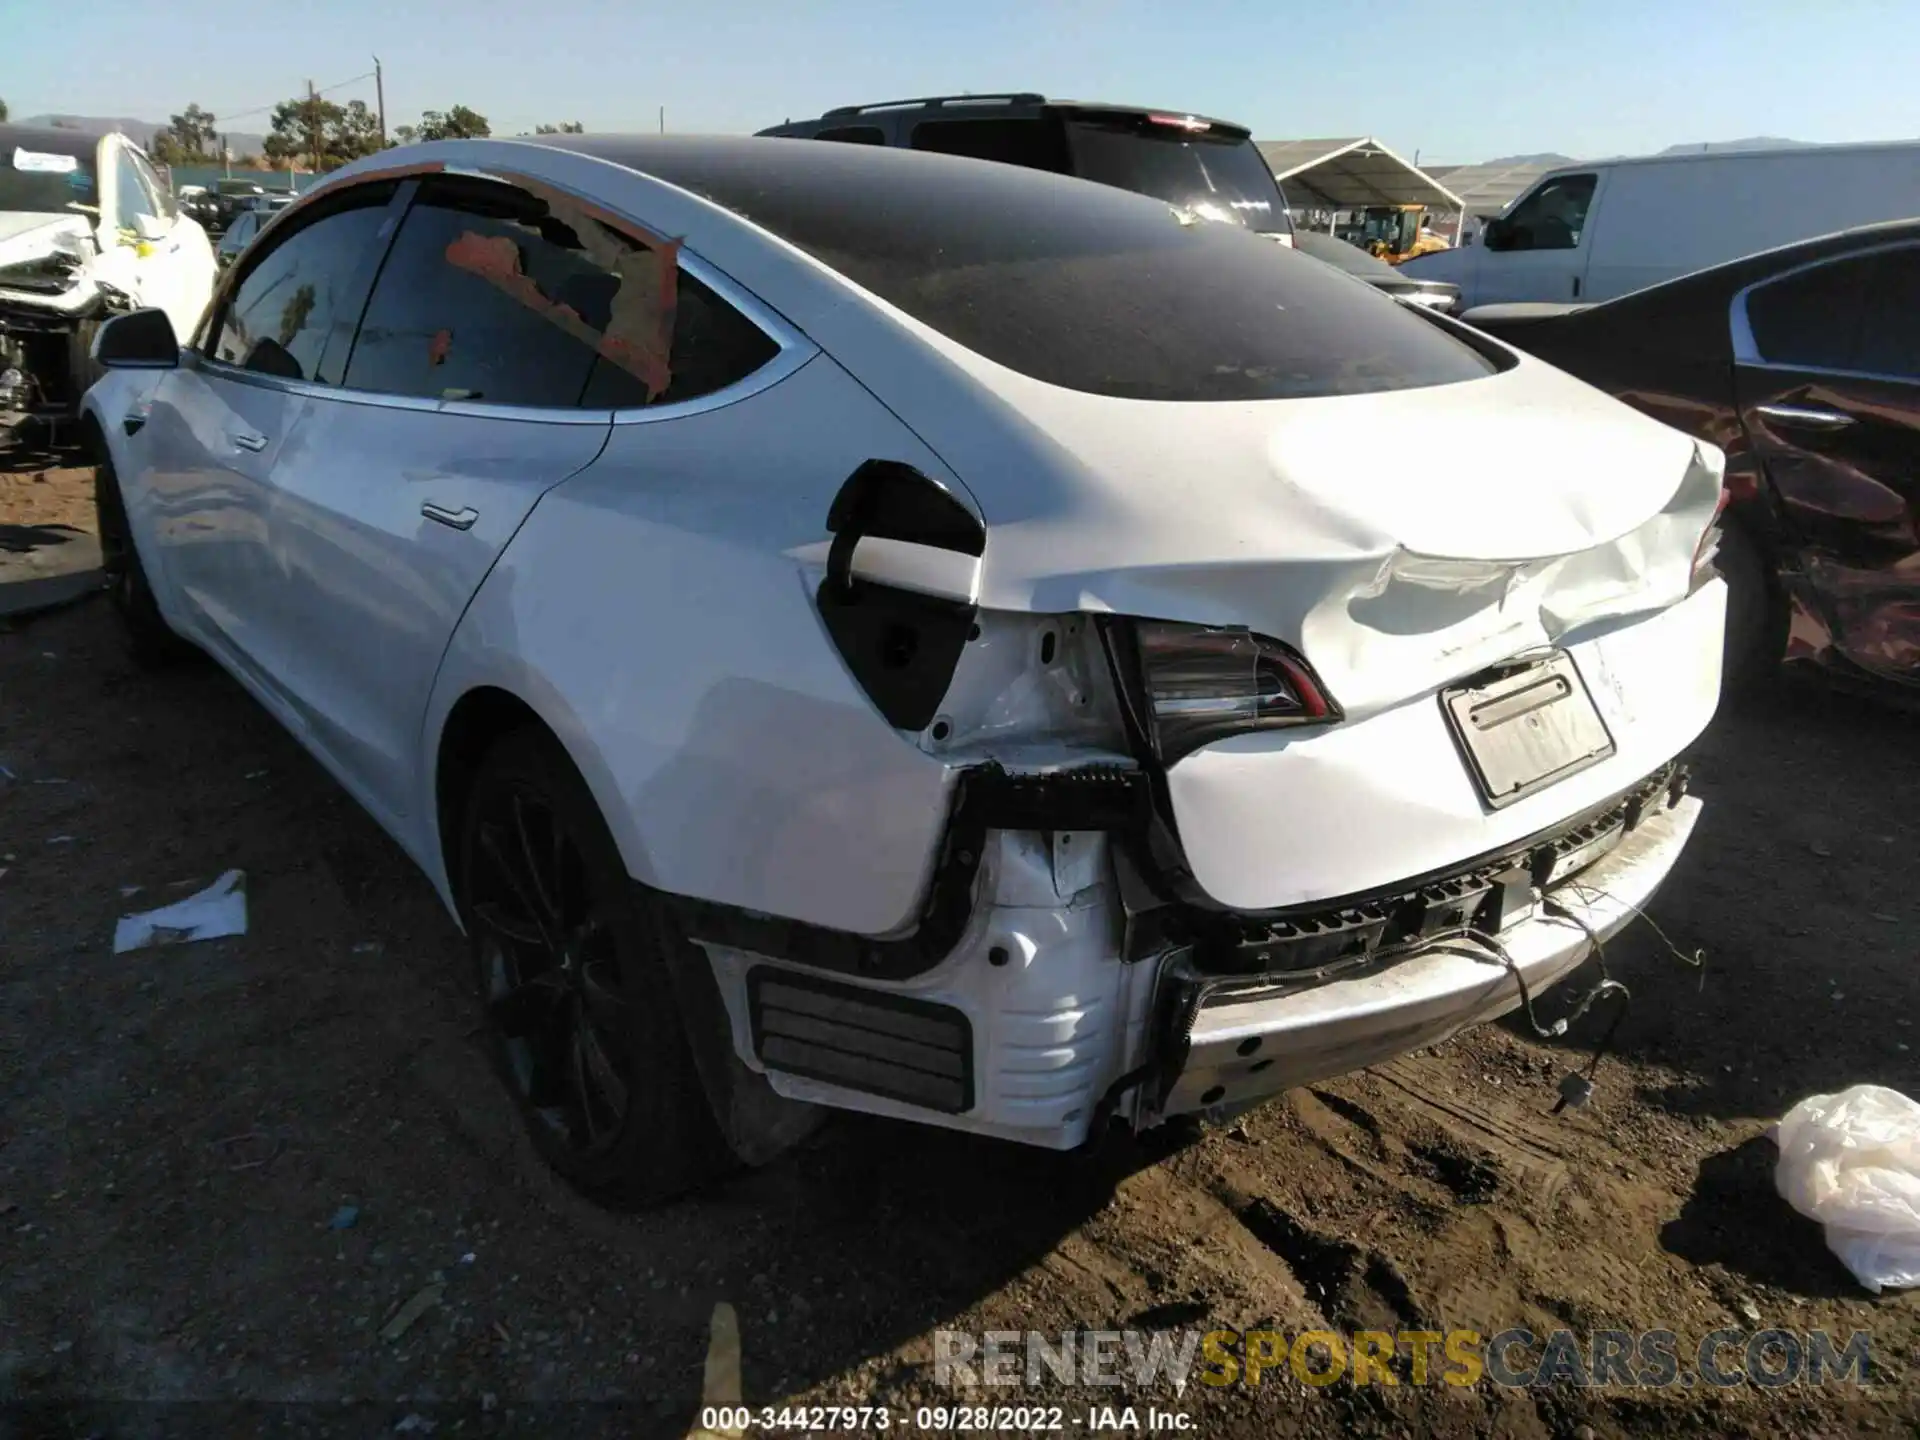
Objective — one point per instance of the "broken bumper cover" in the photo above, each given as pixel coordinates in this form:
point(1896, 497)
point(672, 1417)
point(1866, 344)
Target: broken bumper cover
point(1248, 1042)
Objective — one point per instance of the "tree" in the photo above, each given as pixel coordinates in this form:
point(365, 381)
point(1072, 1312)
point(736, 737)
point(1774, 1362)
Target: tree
point(3, 112)
point(188, 139)
point(323, 134)
point(459, 123)
point(357, 134)
point(566, 127)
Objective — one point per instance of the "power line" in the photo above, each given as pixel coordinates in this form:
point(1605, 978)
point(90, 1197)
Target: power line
point(223, 117)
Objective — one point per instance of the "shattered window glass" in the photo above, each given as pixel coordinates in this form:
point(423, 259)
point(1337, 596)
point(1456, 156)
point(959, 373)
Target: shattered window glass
point(278, 319)
point(497, 295)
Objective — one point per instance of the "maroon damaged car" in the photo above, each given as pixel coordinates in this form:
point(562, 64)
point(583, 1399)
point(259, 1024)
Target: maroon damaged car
point(1803, 364)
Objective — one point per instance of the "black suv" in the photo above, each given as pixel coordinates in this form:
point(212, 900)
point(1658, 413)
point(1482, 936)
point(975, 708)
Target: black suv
point(1210, 166)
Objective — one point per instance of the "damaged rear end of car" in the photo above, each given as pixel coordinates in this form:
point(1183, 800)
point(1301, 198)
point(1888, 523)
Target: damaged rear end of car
point(1102, 667)
point(1308, 675)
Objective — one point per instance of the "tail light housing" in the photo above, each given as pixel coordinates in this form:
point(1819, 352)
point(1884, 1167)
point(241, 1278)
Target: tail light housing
point(1199, 683)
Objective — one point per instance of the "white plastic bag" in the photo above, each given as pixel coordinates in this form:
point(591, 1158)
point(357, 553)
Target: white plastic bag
point(218, 910)
point(1852, 1162)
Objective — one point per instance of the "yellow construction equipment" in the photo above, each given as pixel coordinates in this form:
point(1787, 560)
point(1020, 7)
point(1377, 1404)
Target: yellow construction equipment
point(1392, 233)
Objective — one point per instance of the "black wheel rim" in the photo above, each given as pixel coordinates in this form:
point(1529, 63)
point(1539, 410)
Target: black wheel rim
point(549, 973)
point(117, 561)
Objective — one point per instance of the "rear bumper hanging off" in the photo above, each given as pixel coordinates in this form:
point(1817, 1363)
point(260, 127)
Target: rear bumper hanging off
point(1243, 1040)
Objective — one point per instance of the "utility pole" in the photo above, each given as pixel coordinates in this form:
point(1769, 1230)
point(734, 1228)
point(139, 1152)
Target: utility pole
point(380, 95)
point(313, 130)
point(663, 119)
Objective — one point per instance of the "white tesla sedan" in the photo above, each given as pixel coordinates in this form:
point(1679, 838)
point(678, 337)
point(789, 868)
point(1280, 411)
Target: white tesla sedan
point(842, 626)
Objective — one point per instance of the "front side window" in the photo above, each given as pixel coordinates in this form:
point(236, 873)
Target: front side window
point(1812, 318)
point(277, 320)
point(131, 195)
point(493, 294)
point(1552, 217)
point(155, 186)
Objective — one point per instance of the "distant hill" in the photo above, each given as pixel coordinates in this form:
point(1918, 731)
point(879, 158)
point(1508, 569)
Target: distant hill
point(1754, 142)
point(142, 131)
point(1546, 160)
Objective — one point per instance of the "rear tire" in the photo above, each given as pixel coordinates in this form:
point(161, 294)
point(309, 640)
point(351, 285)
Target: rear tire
point(150, 639)
point(581, 1017)
point(1755, 623)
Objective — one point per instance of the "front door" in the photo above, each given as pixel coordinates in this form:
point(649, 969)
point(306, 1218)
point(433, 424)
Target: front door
point(231, 415)
point(1828, 378)
point(1539, 249)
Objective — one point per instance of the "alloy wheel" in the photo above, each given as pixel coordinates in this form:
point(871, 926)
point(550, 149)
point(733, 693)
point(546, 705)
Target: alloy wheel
point(550, 973)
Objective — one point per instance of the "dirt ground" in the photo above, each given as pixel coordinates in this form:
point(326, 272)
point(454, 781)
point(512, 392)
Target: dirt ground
point(180, 1127)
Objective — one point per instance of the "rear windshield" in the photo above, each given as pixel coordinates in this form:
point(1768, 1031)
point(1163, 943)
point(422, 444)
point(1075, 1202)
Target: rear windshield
point(1078, 285)
point(1197, 172)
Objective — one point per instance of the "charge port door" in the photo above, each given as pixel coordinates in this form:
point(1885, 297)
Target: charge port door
point(902, 586)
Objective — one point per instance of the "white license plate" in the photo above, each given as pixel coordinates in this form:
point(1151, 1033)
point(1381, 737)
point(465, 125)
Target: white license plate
point(1527, 729)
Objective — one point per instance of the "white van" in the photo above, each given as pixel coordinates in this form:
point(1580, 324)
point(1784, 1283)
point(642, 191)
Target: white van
point(1591, 232)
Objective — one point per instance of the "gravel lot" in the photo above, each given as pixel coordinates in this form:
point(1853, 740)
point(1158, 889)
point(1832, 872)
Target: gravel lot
point(178, 1127)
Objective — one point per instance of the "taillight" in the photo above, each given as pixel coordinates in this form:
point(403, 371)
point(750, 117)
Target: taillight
point(1192, 124)
point(1204, 683)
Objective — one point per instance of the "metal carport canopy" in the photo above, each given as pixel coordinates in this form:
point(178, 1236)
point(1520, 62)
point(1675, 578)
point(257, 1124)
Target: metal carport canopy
point(1351, 174)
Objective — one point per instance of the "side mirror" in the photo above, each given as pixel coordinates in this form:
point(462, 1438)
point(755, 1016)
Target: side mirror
point(149, 227)
point(141, 340)
point(1497, 235)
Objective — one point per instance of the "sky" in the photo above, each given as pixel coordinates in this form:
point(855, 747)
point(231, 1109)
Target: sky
point(1455, 82)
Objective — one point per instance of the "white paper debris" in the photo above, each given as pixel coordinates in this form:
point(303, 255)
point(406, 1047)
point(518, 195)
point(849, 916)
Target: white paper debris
point(1852, 1162)
point(39, 162)
point(220, 909)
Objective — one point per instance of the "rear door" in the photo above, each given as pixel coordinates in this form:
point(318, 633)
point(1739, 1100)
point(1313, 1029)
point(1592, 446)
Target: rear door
point(475, 384)
point(1539, 249)
point(1828, 382)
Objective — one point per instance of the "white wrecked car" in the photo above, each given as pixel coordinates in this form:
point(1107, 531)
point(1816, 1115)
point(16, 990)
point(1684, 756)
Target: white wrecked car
point(883, 630)
point(87, 230)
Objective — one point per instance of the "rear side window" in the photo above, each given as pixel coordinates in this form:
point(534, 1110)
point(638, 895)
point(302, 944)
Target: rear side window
point(278, 319)
point(493, 294)
point(1084, 286)
point(854, 135)
point(1812, 318)
point(1036, 144)
point(1889, 339)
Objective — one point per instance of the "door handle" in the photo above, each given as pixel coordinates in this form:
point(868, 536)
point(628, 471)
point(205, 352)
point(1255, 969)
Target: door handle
point(461, 519)
point(1803, 417)
point(248, 440)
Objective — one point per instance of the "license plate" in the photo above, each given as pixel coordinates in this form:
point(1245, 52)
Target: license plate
point(1527, 729)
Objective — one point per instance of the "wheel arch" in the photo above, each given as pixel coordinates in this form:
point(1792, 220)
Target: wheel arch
point(474, 718)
